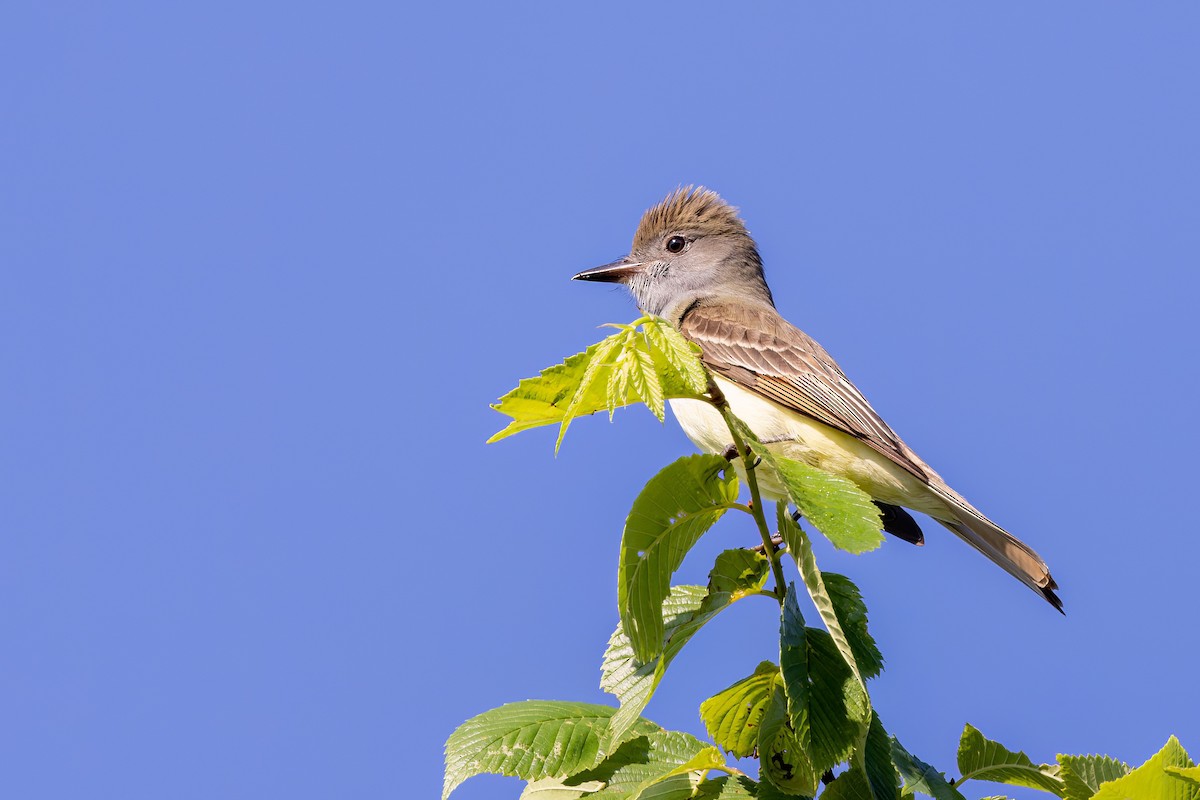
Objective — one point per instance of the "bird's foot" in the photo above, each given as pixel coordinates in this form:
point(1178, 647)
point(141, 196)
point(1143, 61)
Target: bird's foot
point(731, 452)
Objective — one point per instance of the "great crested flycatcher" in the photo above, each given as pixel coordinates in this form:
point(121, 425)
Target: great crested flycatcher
point(694, 264)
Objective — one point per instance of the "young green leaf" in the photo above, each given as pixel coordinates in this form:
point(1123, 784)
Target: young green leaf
point(736, 574)
point(980, 758)
point(682, 356)
point(543, 400)
point(532, 740)
point(630, 366)
point(839, 509)
point(920, 777)
point(601, 363)
point(643, 380)
point(1082, 775)
point(670, 514)
point(1190, 775)
point(1151, 781)
point(732, 716)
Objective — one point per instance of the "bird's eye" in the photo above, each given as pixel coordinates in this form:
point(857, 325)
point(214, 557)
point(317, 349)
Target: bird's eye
point(676, 244)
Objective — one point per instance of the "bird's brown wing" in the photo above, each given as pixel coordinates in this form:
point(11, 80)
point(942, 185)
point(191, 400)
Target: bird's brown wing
point(756, 348)
point(752, 345)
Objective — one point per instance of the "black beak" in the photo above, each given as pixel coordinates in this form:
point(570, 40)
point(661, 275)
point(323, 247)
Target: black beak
point(617, 272)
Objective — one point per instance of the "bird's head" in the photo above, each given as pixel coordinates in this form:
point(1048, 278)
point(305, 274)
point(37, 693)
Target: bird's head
point(690, 247)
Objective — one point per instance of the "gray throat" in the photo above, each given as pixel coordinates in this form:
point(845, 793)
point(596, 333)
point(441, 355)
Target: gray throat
point(671, 301)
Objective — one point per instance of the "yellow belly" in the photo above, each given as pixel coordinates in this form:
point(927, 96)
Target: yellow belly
point(795, 436)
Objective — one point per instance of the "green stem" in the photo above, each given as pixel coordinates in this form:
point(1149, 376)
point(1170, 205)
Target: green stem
point(717, 398)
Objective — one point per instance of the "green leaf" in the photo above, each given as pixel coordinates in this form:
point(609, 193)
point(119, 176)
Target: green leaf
point(1151, 781)
point(543, 400)
point(793, 664)
point(556, 789)
point(531, 740)
point(783, 763)
point(643, 380)
point(1082, 775)
point(882, 779)
point(694, 770)
point(630, 366)
point(765, 790)
point(827, 707)
point(602, 361)
point(850, 785)
point(980, 758)
point(641, 760)
point(920, 777)
point(670, 514)
point(837, 507)
point(728, 787)
point(682, 356)
point(1188, 774)
point(854, 784)
point(736, 574)
point(634, 682)
point(733, 715)
point(851, 612)
point(838, 710)
point(801, 550)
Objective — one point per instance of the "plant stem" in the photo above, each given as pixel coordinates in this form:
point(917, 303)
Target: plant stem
point(717, 398)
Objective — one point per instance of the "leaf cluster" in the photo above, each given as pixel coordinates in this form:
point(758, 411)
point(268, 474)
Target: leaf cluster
point(808, 719)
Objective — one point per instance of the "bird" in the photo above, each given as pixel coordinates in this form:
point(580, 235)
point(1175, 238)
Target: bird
point(694, 264)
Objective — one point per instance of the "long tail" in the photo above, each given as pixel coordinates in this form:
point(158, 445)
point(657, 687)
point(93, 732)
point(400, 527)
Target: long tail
point(1017, 558)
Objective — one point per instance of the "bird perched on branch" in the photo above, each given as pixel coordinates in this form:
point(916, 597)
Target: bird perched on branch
point(694, 264)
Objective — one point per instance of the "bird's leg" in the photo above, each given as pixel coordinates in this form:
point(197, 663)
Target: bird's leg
point(776, 543)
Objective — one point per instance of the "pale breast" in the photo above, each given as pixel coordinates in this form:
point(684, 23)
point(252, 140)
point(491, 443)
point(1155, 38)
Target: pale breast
point(802, 438)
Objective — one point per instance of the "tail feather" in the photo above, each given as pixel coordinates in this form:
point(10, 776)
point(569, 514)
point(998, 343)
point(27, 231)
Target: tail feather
point(1005, 550)
point(899, 523)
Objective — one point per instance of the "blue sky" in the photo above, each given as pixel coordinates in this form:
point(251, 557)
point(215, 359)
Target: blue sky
point(265, 267)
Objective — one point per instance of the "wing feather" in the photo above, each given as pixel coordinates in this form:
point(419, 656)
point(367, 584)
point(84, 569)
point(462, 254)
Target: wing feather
point(752, 345)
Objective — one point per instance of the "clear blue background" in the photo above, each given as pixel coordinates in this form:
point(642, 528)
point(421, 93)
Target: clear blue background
point(265, 265)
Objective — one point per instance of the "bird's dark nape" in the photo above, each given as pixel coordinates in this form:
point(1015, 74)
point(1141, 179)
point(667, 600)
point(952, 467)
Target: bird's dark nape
point(899, 523)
